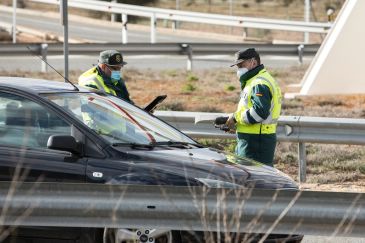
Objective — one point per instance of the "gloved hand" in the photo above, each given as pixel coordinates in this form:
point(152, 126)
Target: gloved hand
point(231, 123)
point(220, 122)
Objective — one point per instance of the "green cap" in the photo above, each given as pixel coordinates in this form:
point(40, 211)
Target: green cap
point(111, 58)
point(243, 55)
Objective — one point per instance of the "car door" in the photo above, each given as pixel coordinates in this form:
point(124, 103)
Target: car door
point(25, 126)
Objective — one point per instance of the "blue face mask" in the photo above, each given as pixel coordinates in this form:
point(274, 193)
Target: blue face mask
point(241, 71)
point(115, 75)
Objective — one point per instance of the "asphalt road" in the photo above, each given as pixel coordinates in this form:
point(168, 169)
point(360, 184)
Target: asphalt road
point(90, 30)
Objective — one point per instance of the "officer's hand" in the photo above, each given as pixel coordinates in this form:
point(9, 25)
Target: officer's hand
point(231, 123)
point(231, 131)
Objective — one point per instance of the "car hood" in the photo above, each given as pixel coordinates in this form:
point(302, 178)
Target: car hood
point(213, 167)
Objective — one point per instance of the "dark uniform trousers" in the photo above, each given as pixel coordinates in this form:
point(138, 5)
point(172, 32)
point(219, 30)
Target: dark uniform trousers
point(259, 147)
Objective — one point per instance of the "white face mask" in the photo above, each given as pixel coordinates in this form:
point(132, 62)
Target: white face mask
point(241, 71)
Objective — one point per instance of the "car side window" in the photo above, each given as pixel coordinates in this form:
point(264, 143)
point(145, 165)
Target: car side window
point(27, 124)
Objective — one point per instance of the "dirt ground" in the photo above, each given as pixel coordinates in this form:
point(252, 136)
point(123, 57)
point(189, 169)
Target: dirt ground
point(337, 187)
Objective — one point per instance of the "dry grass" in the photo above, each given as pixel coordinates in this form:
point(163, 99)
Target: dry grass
point(347, 106)
point(284, 9)
point(279, 9)
point(20, 38)
point(196, 91)
point(204, 90)
point(325, 163)
point(342, 165)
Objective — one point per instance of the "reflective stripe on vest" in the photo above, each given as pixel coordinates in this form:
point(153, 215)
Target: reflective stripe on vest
point(269, 119)
point(267, 126)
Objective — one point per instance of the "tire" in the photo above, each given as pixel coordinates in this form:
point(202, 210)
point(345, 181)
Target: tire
point(109, 235)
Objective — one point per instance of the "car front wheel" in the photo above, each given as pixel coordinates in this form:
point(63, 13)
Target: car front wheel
point(140, 235)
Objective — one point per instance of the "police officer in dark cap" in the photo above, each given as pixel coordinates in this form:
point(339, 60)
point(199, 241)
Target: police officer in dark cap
point(256, 117)
point(106, 75)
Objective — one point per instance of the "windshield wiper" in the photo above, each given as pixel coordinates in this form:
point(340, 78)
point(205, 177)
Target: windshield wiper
point(135, 145)
point(151, 145)
point(176, 144)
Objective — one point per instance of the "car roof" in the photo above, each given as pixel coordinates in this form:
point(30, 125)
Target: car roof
point(38, 85)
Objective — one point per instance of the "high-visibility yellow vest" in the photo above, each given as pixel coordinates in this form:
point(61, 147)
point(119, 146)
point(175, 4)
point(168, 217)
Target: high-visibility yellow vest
point(267, 126)
point(92, 78)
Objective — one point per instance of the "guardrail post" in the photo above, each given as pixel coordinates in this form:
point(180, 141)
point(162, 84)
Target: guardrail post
point(64, 22)
point(113, 17)
point(13, 30)
point(44, 49)
point(307, 10)
point(174, 25)
point(244, 33)
point(300, 53)
point(302, 162)
point(124, 29)
point(153, 28)
point(189, 51)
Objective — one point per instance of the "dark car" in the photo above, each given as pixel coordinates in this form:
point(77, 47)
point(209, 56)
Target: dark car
point(52, 132)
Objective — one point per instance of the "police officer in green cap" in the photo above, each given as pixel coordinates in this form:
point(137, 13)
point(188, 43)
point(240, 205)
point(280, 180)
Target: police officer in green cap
point(256, 117)
point(106, 75)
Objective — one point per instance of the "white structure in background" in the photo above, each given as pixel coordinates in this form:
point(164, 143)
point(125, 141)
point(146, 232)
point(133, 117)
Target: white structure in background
point(337, 67)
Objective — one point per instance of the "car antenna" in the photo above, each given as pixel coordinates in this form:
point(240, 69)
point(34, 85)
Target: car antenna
point(49, 65)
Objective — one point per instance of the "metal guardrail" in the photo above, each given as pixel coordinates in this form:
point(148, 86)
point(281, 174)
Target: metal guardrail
point(8, 49)
point(188, 49)
point(182, 208)
point(290, 129)
point(178, 15)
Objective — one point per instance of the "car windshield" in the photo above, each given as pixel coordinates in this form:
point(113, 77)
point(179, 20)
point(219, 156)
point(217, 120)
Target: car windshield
point(116, 120)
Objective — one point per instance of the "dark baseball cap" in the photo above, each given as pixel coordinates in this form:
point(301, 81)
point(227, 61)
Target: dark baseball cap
point(243, 55)
point(111, 58)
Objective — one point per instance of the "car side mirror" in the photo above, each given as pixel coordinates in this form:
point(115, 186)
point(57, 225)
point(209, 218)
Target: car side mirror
point(152, 106)
point(63, 143)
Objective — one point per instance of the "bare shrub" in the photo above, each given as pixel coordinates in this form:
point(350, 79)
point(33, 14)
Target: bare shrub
point(331, 103)
point(188, 87)
point(172, 106)
point(208, 108)
point(333, 177)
